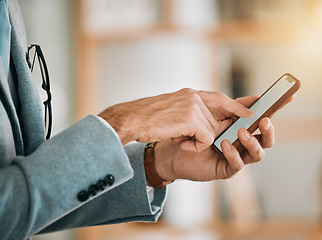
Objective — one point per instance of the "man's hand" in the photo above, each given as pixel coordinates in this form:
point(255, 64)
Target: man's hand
point(191, 118)
point(172, 163)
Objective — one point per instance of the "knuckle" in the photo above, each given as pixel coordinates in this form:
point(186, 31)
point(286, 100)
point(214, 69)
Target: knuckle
point(190, 98)
point(191, 94)
point(232, 169)
point(194, 97)
point(238, 167)
point(259, 155)
point(221, 95)
point(187, 91)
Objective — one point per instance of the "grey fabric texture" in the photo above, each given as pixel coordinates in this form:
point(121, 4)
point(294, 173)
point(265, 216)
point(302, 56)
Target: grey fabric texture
point(40, 180)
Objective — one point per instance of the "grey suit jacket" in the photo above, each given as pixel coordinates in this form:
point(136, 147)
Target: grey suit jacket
point(40, 180)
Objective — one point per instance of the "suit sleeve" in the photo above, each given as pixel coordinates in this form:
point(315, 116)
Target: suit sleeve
point(127, 203)
point(41, 191)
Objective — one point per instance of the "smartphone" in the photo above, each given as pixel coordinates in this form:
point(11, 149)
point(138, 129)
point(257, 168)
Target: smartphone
point(268, 103)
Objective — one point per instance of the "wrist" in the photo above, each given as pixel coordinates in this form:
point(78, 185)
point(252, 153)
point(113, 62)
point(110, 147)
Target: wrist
point(163, 161)
point(153, 176)
point(116, 117)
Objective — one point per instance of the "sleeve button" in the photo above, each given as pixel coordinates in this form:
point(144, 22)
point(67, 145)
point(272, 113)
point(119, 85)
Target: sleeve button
point(92, 189)
point(109, 180)
point(101, 185)
point(82, 196)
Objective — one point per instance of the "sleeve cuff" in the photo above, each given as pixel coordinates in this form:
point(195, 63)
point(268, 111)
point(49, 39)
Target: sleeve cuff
point(132, 197)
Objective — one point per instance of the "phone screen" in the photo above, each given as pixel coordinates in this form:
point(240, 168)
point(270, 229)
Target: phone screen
point(273, 94)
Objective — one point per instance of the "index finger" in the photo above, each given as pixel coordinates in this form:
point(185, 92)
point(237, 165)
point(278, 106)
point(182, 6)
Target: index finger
point(214, 100)
point(248, 101)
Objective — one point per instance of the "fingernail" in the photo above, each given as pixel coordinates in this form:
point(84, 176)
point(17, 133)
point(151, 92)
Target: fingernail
point(247, 135)
point(227, 143)
point(268, 126)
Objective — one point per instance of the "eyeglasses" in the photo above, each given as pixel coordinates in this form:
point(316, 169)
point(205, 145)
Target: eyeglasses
point(45, 84)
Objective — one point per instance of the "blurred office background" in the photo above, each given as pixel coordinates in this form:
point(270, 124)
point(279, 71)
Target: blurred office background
point(101, 52)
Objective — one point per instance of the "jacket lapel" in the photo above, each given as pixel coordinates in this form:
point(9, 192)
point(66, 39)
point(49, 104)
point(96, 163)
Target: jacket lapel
point(8, 104)
point(30, 116)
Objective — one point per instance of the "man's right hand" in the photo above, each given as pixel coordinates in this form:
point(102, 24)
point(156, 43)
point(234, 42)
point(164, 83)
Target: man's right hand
point(191, 118)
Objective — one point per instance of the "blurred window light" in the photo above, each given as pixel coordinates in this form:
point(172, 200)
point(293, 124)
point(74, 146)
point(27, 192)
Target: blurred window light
point(105, 16)
point(195, 13)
